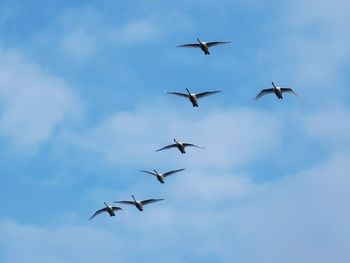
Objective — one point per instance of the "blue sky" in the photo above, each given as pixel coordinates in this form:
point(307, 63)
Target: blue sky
point(83, 107)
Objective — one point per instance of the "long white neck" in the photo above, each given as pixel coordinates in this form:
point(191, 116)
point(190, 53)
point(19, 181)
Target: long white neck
point(133, 198)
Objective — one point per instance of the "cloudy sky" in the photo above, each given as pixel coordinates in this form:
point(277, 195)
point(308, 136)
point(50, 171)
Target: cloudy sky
point(83, 107)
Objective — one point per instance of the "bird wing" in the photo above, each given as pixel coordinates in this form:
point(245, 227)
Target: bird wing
point(193, 145)
point(207, 93)
point(264, 92)
point(288, 90)
point(179, 94)
point(189, 45)
point(116, 208)
point(172, 172)
point(147, 172)
point(125, 202)
point(167, 147)
point(98, 212)
point(149, 201)
point(215, 43)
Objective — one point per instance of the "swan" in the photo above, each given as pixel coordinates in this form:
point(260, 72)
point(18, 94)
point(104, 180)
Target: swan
point(193, 97)
point(277, 90)
point(109, 209)
point(161, 176)
point(180, 145)
point(139, 204)
point(204, 46)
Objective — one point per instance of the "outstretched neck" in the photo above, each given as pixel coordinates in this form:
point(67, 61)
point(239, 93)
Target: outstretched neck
point(273, 84)
point(105, 204)
point(155, 172)
point(188, 91)
point(133, 198)
point(199, 41)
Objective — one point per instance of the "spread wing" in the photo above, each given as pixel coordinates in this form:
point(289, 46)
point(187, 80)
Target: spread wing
point(193, 145)
point(125, 202)
point(179, 94)
point(289, 90)
point(264, 92)
point(167, 147)
point(172, 172)
point(98, 212)
point(207, 93)
point(147, 172)
point(150, 201)
point(189, 45)
point(116, 208)
point(215, 43)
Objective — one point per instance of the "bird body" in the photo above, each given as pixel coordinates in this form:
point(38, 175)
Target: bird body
point(139, 204)
point(278, 91)
point(204, 46)
point(179, 145)
point(161, 176)
point(109, 209)
point(193, 97)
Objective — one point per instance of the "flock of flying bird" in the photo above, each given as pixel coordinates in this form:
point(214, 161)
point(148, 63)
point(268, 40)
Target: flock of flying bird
point(193, 97)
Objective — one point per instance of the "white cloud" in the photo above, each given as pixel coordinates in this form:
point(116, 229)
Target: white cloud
point(57, 244)
point(213, 216)
point(317, 41)
point(301, 218)
point(135, 32)
point(214, 188)
point(230, 137)
point(85, 32)
point(33, 102)
point(332, 125)
point(82, 33)
point(78, 43)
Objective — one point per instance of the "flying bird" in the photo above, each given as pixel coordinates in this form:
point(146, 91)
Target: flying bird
point(277, 90)
point(204, 46)
point(161, 176)
point(180, 145)
point(139, 204)
point(193, 97)
point(109, 209)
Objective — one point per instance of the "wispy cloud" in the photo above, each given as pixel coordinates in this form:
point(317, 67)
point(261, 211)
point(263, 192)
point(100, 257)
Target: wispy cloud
point(211, 188)
point(82, 41)
point(300, 218)
point(332, 125)
point(230, 137)
point(314, 48)
point(261, 191)
point(57, 244)
point(78, 44)
point(136, 32)
point(33, 102)
point(85, 32)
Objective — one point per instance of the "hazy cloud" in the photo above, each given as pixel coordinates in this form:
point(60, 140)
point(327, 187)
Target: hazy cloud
point(230, 137)
point(300, 218)
point(33, 102)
